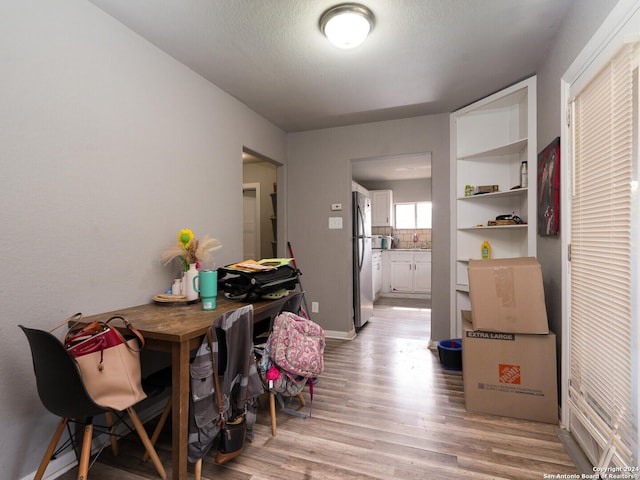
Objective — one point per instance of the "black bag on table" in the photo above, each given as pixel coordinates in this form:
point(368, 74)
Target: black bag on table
point(250, 286)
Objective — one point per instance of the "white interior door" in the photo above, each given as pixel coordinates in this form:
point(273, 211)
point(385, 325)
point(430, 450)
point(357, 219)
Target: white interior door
point(251, 221)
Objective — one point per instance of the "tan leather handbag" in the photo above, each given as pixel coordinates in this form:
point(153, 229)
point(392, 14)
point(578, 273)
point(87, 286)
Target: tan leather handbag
point(109, 364)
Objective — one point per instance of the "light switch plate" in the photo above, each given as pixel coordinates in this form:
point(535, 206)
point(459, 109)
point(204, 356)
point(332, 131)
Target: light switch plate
point(335, 223)
point(336, 207)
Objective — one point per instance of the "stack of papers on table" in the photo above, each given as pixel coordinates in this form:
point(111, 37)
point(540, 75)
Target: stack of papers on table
point(260, 265)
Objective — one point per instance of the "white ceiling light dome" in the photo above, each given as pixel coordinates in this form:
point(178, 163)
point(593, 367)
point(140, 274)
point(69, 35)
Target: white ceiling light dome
point(347, 25)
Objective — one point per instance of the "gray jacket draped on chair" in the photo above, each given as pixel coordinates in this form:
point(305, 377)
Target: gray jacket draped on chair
point(240, 384)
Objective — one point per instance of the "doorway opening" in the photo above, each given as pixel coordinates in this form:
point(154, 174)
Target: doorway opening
point(403, 180)
point(260, 205)
point(251, 221)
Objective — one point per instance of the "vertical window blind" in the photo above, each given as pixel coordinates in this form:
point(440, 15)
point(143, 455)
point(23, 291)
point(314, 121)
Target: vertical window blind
point(603, 264)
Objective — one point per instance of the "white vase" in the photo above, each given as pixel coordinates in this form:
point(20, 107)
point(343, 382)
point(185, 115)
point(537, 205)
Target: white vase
point(187, 286)
point(176, 288)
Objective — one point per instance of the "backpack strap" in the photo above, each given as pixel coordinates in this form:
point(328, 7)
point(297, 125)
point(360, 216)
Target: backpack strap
point(216, 380)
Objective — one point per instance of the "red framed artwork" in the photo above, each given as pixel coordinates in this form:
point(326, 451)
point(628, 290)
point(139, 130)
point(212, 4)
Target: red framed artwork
point(549, 189)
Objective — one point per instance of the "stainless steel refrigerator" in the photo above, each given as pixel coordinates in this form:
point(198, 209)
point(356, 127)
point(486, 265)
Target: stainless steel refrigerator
point(362, 270)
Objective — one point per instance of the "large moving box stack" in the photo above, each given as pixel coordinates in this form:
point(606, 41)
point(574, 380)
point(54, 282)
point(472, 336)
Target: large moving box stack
point(508, 352)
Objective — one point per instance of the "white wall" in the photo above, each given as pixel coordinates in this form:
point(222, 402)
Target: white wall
point(583, 20)
point(108, 147)
point(319, 174)
point(403, 190)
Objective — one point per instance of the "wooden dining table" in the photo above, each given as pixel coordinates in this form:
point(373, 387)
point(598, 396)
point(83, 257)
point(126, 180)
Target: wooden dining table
point(179, 329)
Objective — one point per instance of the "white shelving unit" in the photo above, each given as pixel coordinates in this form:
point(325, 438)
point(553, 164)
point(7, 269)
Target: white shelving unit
point(489, 141)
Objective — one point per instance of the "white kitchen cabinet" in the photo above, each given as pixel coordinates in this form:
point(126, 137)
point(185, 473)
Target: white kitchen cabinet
point(376, 265)
point(401, 273)
point(422, 272)
point(386, 272)
point(489, 141)
point(381, 208)
point(410, 272)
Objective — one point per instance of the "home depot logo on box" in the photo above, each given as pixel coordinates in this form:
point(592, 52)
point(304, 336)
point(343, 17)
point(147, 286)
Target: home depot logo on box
point(509, 374)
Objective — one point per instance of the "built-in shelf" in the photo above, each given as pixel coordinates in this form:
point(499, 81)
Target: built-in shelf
point(486, 196)
point(489, 141)
point(498, 151)
point(496, 227)
point(274, 223)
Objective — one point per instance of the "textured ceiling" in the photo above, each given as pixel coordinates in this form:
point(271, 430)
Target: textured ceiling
point(423, 56)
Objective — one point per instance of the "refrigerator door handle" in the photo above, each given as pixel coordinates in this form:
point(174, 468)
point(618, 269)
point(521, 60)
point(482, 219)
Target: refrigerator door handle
point(361, 232)
point(360, 237)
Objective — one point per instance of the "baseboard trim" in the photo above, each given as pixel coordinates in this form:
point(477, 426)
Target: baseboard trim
point(417, 296)
point(577, 456)
point(338, 335)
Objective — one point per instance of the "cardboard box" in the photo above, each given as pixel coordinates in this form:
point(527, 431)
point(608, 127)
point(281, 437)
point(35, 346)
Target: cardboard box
point(511, 375)
point(507, 295)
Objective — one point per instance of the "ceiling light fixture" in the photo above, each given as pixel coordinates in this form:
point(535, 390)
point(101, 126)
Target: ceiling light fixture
point(347, 25)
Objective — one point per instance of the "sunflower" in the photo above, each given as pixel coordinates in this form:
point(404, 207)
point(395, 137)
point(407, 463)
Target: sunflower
point(184, 238)
point(189, 249)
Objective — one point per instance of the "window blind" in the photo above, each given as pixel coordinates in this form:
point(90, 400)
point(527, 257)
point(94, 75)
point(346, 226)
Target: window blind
point(603, 354)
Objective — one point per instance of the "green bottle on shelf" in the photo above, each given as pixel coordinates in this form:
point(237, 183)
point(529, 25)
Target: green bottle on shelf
point(486, 250)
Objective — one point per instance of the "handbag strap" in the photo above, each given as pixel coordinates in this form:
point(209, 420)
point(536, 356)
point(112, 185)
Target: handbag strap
point(131, 328)
point(75, 317)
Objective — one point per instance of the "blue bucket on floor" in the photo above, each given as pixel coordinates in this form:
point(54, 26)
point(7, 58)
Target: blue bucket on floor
point(450, 353)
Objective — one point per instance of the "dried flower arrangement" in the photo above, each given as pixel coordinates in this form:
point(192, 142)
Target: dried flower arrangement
point(190, 250)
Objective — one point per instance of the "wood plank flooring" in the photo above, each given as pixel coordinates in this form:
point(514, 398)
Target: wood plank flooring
point(383, 409)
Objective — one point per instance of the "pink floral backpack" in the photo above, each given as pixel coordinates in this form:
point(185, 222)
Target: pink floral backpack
point(296, 345)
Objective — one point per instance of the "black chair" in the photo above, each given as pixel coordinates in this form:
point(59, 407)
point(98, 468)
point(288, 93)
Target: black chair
point(62, 392)
point(293, 304)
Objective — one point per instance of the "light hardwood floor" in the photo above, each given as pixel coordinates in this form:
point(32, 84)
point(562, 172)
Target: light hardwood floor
point(383, 409)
